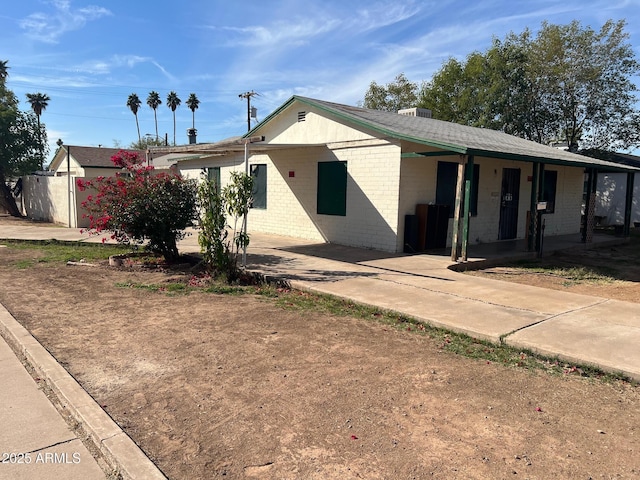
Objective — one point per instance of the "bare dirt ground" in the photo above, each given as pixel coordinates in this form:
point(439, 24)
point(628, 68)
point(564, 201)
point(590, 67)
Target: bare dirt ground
point(619, 265)
point(233, 386)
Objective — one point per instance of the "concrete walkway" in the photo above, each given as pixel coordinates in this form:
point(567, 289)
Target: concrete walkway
point(577, 328)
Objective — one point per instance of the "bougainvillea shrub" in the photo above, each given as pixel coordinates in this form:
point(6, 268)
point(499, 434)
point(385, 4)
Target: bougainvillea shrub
point(139, 205)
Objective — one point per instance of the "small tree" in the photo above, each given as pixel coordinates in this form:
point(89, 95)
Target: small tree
point(138, 205)
point(237, 199)
point(213, 234)
point(221, 243)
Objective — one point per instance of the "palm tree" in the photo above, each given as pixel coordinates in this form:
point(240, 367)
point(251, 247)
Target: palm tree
point(173, 102)
point(133, 102)
point(193, 102)
point(39, 102)
point(153, 100)
point(4, 70)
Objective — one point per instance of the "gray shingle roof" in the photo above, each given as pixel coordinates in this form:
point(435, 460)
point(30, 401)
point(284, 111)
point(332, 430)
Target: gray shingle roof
point(449, 136)
point(92, 157)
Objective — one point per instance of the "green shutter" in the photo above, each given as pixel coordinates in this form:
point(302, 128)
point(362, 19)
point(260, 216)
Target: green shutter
point(549, 192)
point(447, 177)
point(332, 188)
point(259, 192)
point(213, 175)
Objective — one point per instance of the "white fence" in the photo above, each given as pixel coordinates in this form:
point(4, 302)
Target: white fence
point(50, 199)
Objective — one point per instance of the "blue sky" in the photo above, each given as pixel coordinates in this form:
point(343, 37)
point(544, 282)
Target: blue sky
point(88, 56)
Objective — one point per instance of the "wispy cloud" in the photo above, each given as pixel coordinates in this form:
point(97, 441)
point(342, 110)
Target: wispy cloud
point(295, 32)
point(381, 14)
point(116, 62)
point(49, 27)
point(300, 29)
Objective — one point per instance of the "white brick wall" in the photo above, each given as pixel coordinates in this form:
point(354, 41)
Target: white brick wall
point(372, 196)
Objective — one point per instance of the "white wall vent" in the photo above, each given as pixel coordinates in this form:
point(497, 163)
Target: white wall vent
point(416, 112)
point(302, 116)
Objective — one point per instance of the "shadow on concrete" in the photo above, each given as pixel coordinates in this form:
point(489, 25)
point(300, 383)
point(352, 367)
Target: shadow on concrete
point(291, 269)
point(340, 253)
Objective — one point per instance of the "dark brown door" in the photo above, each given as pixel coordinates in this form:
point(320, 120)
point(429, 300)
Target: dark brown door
point(509, 200)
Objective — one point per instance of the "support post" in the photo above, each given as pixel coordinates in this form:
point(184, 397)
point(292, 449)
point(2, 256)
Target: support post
point(456, 212)
point(538, 213)
point(626, 231)
point(533, 208)
point(467, 205)
point(69, 182)
point(590, 206)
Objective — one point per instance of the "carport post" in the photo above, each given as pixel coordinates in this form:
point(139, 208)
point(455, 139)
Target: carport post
point(456, 212)
point(467, 203)
point(538, 213)
point(589, 206)
point(626, 231)
point(533, 208)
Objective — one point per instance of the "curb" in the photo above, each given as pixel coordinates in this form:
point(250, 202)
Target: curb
point(118, 449)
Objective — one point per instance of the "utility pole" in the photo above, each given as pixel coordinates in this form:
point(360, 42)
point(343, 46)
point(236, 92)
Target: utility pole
point(248, 96)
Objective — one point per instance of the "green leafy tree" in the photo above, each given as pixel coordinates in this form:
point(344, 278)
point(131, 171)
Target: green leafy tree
point(193, 103)
point(589, 85)
point(221, 243)
point(134, 103)
point(141, 205)
point(569, 83)
point(173, 102)
point(23, 143)
point(153, 100)
point(147, 142)
point(394, 96)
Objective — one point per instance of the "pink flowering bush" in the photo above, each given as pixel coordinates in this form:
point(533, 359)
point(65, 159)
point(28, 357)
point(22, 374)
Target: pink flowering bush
point(138, 205)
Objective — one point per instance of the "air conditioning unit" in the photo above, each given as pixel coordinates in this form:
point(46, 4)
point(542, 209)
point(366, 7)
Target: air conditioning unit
point(416, 112)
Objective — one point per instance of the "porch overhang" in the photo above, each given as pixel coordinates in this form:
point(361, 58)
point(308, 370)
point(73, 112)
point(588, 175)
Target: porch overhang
point(230, 146)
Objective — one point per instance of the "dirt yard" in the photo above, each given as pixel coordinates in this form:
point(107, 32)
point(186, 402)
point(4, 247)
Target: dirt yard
point(613, 271)
point(233, 386)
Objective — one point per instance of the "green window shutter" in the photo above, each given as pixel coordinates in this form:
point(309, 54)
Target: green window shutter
point(259, 192)
point(447, 177)
point(213, 175)
point(549, 192)
point(332, 188)
point(475, 183)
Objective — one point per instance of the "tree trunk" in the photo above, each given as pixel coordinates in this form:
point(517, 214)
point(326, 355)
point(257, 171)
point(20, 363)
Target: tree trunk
point(7, 202)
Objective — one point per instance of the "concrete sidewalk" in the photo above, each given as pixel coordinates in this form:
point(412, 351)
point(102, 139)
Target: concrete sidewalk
point(577, 328)
point(36, 443)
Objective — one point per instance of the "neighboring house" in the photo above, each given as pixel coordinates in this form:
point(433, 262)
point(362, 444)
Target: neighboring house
point(85, 162)
point(55, 197)
point(352, 176)
point(611, 193)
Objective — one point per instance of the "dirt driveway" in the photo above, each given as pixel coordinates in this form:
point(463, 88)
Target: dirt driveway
point(233, 386)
